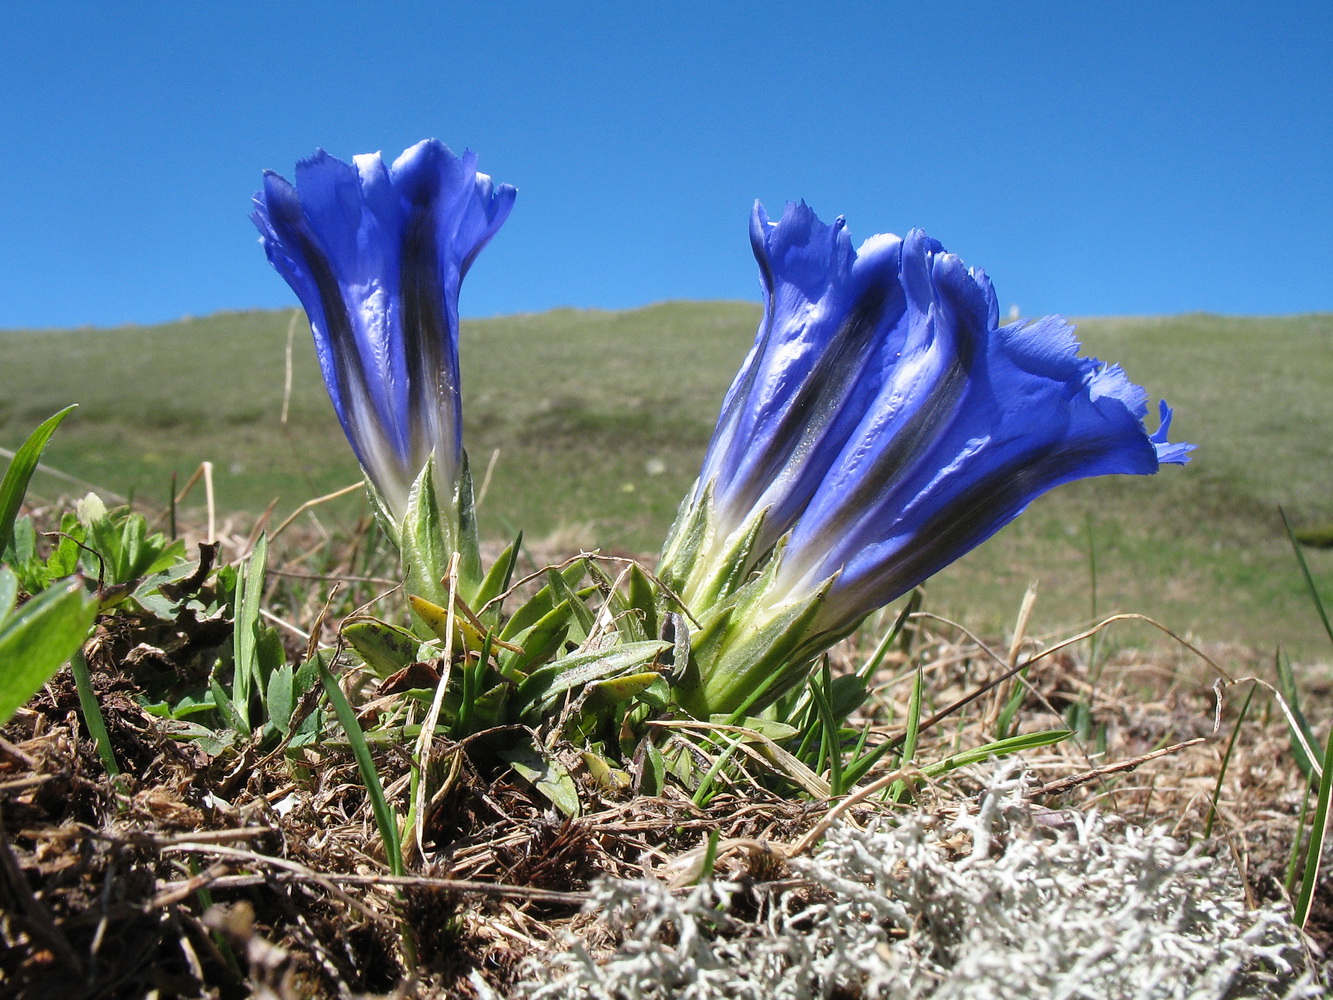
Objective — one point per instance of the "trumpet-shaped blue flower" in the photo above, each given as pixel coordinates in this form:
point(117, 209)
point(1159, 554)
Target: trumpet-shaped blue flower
point(376, 254)
point(883, 424)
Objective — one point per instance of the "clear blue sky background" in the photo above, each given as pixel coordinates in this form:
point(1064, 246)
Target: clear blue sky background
point(1095, 158)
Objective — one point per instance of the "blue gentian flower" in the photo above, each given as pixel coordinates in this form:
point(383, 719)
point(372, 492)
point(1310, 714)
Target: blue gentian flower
point(883, 424)
point(376, 254)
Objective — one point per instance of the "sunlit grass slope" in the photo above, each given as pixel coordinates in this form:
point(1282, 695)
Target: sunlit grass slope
point(597, 422)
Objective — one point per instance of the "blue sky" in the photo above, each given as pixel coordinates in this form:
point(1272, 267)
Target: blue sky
point(1126, 158)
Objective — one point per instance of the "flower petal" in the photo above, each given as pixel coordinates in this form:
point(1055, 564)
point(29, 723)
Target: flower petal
point(376, 254)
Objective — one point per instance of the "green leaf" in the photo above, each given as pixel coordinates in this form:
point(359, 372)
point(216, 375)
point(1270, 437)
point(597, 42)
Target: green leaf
point(1000, 748)
point(497, 581)
point(384, 814)
point(280, 698)
point(654, 770)
point(643, 598)
point(384, 648)
point(9, 591)
point(469, 541)
point(629, 621)
point(614, 690)
point(227, 708)
point(14, 487)
point(541, 603)
point(539, 643)
point(246, 676)
point(547, 775)
point(771, 728)
point(563, 592)
point(39, 638)
point(539, 693)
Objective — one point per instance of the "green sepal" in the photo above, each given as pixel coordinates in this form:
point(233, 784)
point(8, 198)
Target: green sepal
point(382, 513)
point(427, 539)
point(687, 537)
point(747, 661)
point(468, 540)
point(727, 571)
point(701, 567)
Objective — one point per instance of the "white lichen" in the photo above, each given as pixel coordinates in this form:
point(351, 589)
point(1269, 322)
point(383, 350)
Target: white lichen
point(1043, 904)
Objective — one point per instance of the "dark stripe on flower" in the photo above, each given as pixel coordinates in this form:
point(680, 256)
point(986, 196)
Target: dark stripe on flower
point(816, 403)
point(347, 370)
point(923, 428)
point(424, 332)
point(964, 523)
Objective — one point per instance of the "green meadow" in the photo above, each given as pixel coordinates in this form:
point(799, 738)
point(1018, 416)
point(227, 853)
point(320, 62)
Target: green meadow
point(592, 425)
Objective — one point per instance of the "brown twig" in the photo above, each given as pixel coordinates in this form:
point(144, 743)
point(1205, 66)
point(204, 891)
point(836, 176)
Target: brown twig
point(1073, 781)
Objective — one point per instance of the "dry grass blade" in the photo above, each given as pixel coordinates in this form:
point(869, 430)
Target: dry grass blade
point(1073, 781)
point(774, 755)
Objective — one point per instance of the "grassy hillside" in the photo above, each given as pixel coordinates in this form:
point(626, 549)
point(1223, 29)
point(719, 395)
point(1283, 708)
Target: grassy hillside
point(600, 419)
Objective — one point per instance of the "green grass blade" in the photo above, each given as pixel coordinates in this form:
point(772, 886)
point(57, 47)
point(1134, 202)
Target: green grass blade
point(1305, 571)
point(36, 641)
point(831, 738)
point(1000, 748)
point(384, 815)
point(92, 713)
point(705, 791)
point(1286, 685)
point(245, 669)
point(1318, 831)
point(913, 732)
point(1226, 761)
point(1294, 857)
point(14, 487)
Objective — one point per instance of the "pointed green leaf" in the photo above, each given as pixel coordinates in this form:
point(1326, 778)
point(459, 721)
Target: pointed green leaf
point(246, 676)
point(39, 638)
point(546, 686)
point(497, 581)
point(547, 775)
point(614, 690)
point(629, 622)
point(469, 541)
point(9, 592)
point(280, 698)
point(643, 598)
point(1000, 748)
point(539, 643)
point(540, 603)
point(384, 648)
point(563, 592)
point(14, 487)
